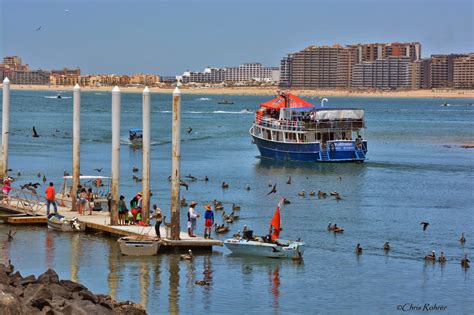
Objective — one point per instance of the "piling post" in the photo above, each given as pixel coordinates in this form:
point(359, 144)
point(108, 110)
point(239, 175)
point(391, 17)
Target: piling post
point(76, 144)
point(146, 156)
point(175, 164)
point(115, 155)
point(5, 127)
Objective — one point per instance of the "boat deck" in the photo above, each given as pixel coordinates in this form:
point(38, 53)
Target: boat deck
point(100, 222)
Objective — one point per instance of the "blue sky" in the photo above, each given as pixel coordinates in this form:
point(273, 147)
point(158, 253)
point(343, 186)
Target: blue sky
point(169, 37)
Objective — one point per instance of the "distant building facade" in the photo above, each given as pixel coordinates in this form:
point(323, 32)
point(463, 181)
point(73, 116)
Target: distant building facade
point(30, 77)
point(252, 72)
point(463, 72)
point(375, 51)
point(209, 75)
point(389, 73)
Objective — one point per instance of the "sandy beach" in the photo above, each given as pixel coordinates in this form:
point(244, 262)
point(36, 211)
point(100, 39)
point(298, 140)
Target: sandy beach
point(435, 93)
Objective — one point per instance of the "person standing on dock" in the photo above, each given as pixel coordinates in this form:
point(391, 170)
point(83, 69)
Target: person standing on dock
point(6, 189)
point(192, 219)
point(50, 198)
point(158, 216)
point(208, 221)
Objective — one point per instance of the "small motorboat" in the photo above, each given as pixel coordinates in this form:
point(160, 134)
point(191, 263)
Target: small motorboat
point(139, 245)
point(59, 96)
point(226, 102)
point(135, 136)
point(268, 246)
point(61, 223)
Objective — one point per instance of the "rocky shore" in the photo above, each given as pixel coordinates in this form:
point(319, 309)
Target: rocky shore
point(49, 295)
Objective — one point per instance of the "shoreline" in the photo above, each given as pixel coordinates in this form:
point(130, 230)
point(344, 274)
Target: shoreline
point(265, 91)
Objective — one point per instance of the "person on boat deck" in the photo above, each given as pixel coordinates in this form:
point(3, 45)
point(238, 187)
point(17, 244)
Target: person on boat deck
point(158, 216)
point(122, 210)
point(50, 198)
point(90, 200)
point(209, 221)
point(192, 219)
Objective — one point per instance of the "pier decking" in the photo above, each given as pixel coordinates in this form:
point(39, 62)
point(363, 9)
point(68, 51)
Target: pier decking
point(100, 222)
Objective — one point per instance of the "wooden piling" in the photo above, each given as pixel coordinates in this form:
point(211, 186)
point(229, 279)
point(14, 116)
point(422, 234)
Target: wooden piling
point(76, 143)
point(5, 127)
point(116, 103)
point(175, 164)
point(146, 156)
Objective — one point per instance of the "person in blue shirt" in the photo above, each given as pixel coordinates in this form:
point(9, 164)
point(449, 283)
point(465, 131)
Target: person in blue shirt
point(208, 221)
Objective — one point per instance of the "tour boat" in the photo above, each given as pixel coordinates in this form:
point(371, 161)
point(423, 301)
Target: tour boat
point(269, 246)
point(290, 128)
point(100, 189)
point(61, 223)
point(139, 245)
point(135, 136)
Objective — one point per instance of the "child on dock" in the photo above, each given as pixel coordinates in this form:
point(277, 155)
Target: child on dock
point(208, 221)
point(6, 189)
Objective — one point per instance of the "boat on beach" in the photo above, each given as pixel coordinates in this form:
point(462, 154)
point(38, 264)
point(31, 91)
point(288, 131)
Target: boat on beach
point(289, 128)
point(61, 223)
point(135, 136)
point(139, 245)
point(267, 246)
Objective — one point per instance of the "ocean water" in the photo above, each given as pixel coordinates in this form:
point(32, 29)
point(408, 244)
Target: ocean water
point(416, 172)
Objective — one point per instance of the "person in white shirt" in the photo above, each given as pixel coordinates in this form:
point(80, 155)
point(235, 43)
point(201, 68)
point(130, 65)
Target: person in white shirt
point(192, 219)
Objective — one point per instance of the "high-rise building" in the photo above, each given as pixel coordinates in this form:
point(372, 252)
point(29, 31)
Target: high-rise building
point(389, 73)
point(252, 71)
point(421, 74)
point(30, 77)
point(285, 71)
point(374, 51)
point(318, 67)
point(209, 75)
point(12, 61)
point(463, 72)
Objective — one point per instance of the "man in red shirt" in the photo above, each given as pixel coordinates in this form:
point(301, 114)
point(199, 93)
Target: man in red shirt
point(50, 198)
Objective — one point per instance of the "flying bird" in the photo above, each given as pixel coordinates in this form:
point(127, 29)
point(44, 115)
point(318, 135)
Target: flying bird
point(425, 225)
point(289, 181)
point(273, 190)
point(35, 134)
point(98, 169)
point(38, 29)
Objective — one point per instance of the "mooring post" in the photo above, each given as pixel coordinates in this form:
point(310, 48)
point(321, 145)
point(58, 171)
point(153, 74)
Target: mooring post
point(175, 164)
point(146, 156)
point(115, 155)
point(5, 127)
point(76, 144)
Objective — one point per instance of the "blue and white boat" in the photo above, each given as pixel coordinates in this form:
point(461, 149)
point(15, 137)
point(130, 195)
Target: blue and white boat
point(290, 128)
point(135, 136)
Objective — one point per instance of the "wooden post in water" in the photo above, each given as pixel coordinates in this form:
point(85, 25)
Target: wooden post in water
point(115, 155)
point(5, 127)
point(76, 144)
point(146, 156)
point(175, 164)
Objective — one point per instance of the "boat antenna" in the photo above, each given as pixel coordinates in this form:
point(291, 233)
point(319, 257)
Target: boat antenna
point(324, 100)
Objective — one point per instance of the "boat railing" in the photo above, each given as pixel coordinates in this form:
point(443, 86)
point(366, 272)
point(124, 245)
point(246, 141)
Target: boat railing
point(297, 125)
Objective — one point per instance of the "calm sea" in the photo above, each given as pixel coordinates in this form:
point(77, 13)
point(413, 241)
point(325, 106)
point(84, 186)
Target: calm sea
point(415, 172)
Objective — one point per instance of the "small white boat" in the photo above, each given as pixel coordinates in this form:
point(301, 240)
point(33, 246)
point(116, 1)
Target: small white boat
point(139, 246)
point(61, 223)
point(135, 136)
point(268, 246)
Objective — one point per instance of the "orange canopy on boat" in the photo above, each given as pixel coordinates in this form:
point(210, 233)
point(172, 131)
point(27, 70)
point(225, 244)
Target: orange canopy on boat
point(280, 102)
point(275, 223)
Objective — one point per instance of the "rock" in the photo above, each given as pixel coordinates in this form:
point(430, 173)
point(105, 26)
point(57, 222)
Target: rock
point(36, 291)
point(9, 303)
point(72, 286)
point(40, 303)
point(105, 301)
point(27, 280)
point(130, 309)
point(88, 295)
point(50, 276)
point(83, 307)
point(59, 291)
point(4, 278)
point(15, 278)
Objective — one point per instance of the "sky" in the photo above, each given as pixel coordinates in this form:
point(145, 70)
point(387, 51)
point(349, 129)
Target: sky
point(169, 37)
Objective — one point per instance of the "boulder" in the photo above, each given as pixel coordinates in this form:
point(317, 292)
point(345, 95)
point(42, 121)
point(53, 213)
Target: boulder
point(59, 291)
point(83, 307)
point(15, 278)
point(50, 276)
point(105, 301)
point(27, 280)
point(88, 296)
point(4, 278)
point(9, 303)
point(36, 291)
point(130, 309)
point(72, 286)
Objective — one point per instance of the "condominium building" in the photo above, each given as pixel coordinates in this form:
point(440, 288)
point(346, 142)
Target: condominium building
point(209, 75)
point(374, 51)
point(252, 72)
point(421, 77)
point(389, 73)
point(463, 72)
point(30, 77)
point(67, 71)
point(317, 67)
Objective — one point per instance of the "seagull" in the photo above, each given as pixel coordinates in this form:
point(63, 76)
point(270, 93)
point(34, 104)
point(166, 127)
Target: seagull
point(35, 134)
point(425, 225)
point(289, 181)
point(98, 169)
point(38, 29)
point(135, 169)
point(273, 190)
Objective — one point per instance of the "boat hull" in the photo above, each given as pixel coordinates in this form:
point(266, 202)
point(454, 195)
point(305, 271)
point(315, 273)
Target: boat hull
point(310, 152)
point(283, 249)
point(135, 246)
point(69, 225)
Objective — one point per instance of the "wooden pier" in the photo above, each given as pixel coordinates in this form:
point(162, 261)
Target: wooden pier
point(100, 222)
